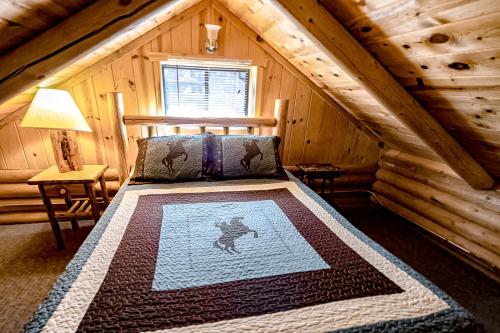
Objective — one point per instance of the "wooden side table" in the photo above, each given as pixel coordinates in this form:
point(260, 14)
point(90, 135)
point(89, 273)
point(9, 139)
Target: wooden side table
point(51, 179)
point(321, 171)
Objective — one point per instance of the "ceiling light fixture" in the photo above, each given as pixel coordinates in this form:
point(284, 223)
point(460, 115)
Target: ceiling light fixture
point(211, 43)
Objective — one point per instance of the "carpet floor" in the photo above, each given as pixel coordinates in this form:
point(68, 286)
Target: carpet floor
point(30, 264)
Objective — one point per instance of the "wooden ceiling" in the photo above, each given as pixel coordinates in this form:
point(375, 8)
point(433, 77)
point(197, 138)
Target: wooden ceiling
point(308, 57)
point(83, 59)
point(444, 52)
point(21, 20)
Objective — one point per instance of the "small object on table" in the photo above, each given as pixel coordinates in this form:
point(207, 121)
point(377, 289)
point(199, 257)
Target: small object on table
point(51, 179)
point(325, 171)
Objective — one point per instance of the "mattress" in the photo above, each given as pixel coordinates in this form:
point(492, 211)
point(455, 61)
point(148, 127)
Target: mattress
point(237, 256)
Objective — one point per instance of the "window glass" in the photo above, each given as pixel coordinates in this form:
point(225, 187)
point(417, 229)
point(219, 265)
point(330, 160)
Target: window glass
point(196, 91)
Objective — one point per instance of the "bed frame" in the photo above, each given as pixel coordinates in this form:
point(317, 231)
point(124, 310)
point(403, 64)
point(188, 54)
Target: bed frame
point(119, 121)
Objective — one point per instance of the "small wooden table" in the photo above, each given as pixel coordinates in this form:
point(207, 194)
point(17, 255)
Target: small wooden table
point(52, 180)
point(323, 171)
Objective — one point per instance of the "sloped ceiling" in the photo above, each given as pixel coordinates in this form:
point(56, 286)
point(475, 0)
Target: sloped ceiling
point(21, 20)
point(446, 53)
point(115, 47)
point(443, 51)
point(294, 45)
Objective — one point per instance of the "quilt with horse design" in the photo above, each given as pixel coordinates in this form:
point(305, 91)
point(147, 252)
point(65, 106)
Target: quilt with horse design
point(237, 256)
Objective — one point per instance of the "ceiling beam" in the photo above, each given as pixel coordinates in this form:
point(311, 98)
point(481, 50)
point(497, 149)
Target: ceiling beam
point(342, 48)
point(72, 39)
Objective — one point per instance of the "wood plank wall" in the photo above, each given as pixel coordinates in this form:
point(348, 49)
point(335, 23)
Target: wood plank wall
point(316, 132)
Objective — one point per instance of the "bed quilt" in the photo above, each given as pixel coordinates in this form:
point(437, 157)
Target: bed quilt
point(237, 256)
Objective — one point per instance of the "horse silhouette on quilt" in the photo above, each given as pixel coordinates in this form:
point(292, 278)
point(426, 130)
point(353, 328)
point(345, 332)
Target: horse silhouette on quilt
point(230, 232)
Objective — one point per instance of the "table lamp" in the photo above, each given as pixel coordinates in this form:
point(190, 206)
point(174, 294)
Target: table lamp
point(56, 110)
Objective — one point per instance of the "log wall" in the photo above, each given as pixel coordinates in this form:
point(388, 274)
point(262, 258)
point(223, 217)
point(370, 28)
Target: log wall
point(429, 194)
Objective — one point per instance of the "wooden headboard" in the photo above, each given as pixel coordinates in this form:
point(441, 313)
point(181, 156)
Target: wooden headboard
point(119, 122)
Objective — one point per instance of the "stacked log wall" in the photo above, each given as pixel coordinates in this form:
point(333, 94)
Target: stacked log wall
point(430, 195)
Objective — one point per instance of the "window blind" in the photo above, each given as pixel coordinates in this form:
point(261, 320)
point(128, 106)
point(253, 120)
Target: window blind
point(205, 91)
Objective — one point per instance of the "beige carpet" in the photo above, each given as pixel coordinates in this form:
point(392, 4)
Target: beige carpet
point(29, 266)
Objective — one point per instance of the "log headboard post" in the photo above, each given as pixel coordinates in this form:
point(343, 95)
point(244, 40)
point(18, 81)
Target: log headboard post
point(120, 140)
point(281, 114)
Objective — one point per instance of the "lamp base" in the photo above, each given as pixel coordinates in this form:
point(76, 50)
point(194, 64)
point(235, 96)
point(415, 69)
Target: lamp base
point(66, 151)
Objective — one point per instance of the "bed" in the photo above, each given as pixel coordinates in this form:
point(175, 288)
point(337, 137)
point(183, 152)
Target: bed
point(247, 255)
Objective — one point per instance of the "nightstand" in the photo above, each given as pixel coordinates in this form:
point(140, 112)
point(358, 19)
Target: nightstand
point(51, 181)
point(325, 172)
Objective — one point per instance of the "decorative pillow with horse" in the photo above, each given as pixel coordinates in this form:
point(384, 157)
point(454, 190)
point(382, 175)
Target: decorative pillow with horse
point(245, 156)
point(171, 158)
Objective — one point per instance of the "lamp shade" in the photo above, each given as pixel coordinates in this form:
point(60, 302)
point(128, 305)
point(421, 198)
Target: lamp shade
point(54, 109)
point(212, 31)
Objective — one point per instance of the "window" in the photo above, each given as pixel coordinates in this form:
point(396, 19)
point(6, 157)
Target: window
point(207, 89)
